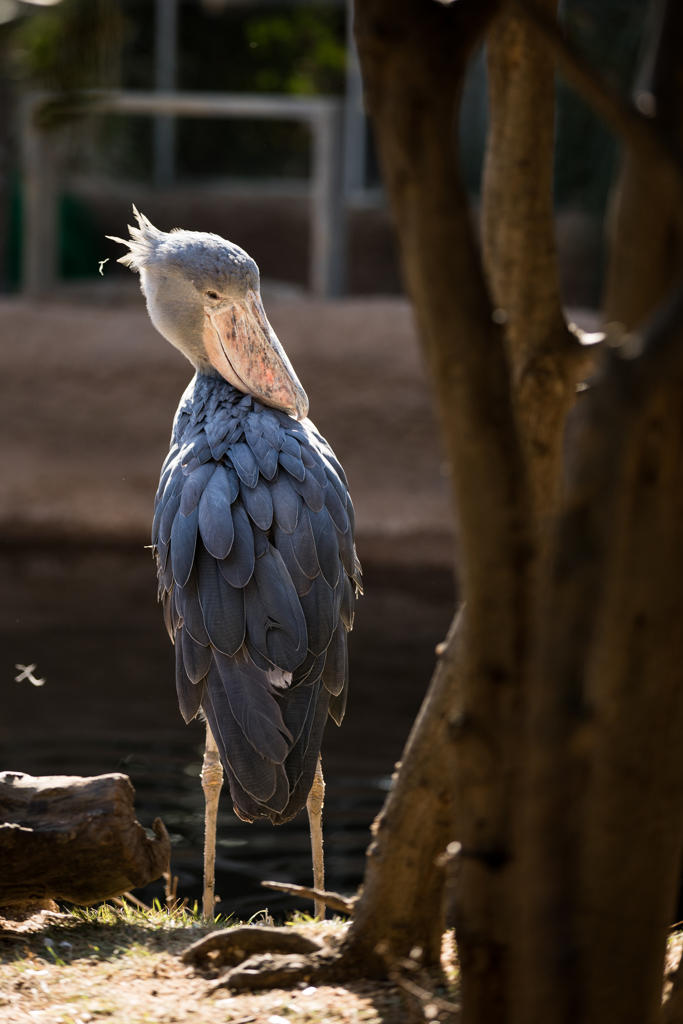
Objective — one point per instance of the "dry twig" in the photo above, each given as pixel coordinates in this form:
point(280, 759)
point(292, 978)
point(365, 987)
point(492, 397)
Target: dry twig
point(344, 904)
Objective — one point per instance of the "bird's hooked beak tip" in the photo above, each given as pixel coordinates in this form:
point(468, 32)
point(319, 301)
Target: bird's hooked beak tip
point(242, 346)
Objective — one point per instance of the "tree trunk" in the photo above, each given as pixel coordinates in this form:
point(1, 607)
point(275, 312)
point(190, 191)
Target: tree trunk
point(74, 839)
point(519, 250)
point(634, 682)
point(604, 791)
point(647, 252)
point(413, 58)
point(401, 905)
point(520, 255)
point(557, 689)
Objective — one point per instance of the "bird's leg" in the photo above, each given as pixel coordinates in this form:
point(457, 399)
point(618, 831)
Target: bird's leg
point(212, 782)
point(314, 806)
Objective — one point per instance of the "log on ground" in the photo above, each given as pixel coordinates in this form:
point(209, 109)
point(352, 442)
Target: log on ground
point(76, 839)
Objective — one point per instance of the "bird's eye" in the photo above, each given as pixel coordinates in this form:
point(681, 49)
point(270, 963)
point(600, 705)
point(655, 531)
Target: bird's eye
point(212, 295)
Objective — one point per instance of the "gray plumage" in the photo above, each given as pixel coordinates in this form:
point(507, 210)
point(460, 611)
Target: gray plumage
point(260, 569)
point(286, 503)
point(189, 694)
point(258, 503)
point(320, 611)
point(253, 527)
point(293, 465)
point(239, 565)
point(222, 605)
point(283, 542)
point(326, 545)
point(194, 487)
point(303, 545)
point(167, 517)
point(244, 462)
point(183, 544)
point(334, 673)
point(215, 518)
point(186, 600)
point(195, 657)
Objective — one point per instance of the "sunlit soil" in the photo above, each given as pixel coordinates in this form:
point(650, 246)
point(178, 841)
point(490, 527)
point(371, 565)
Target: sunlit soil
point(123, 967)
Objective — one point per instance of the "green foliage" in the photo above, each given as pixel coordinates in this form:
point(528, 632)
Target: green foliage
point(282, 48)
point(289, 49)
point(300, 52)
point(72, 45)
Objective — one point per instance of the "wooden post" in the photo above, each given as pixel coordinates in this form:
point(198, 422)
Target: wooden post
point(355, 130)
point(327, 267)
point(39, 230)
point(165, 68)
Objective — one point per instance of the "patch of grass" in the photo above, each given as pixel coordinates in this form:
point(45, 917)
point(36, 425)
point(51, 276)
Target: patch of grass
point(156, 916)
point(106, 933)
point(299, 917)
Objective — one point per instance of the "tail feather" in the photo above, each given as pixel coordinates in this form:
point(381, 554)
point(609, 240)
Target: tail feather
point(189, 692)
point(256, 774)
point(302, 788)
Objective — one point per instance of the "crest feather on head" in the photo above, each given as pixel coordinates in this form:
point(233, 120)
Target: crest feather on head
point(142, 243)
point(204, 259)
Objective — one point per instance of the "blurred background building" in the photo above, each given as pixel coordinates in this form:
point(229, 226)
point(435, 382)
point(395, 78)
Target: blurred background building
point(249, 179)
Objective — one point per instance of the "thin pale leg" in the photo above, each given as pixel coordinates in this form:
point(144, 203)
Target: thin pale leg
point(212, 783)
point(314, 806)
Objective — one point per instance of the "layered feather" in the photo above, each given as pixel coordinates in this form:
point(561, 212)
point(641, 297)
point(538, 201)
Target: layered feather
point(253, 536)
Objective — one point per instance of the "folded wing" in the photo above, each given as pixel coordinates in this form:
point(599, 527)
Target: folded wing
point(254, 539)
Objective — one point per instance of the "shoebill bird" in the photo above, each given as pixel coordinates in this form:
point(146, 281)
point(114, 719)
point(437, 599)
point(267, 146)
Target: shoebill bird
point(253, 536)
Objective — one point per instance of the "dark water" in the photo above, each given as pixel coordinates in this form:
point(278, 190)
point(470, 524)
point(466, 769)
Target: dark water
point(88, 618)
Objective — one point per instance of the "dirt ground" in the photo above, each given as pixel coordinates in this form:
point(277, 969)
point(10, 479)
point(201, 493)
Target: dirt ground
point(125, 969)
point(125, 972)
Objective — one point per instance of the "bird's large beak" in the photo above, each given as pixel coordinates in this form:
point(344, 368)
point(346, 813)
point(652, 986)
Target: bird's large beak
point(244, 348)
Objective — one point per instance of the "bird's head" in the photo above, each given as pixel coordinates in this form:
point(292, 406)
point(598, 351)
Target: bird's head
point(203, 296)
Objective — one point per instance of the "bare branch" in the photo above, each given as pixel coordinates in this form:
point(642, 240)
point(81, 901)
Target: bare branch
point(645, 251)
point(635, 129)
point(344, 904)
point(519, 246)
